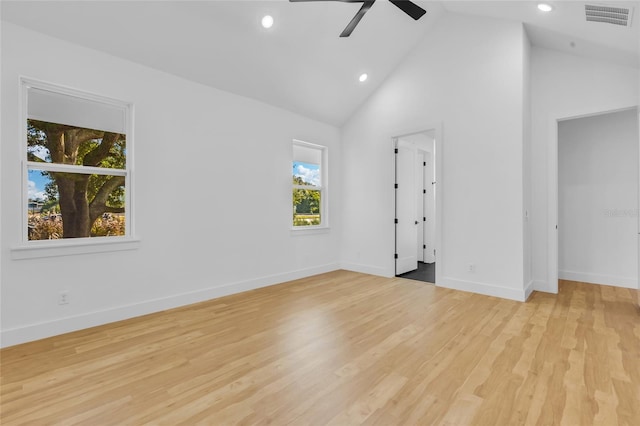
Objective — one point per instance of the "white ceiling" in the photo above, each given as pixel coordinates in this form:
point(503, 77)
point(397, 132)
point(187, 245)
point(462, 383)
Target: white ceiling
point(300, 64)
point(566, 28)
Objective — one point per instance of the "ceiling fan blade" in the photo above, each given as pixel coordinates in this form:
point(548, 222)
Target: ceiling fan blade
point(409, 8)
point(366, 5)
point(341, 1)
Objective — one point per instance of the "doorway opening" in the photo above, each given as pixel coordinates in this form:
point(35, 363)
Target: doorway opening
point(598, 199)
point(415, 206)
point(593, 198)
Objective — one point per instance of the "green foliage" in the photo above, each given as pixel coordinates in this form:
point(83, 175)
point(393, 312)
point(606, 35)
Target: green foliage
point(306, 204)
point(51, 206)
point(297, 180)
point(36, 138)
point(115, 160)
point(51, 189)
point(306, 220)
point(305, 200)
point(116, 197)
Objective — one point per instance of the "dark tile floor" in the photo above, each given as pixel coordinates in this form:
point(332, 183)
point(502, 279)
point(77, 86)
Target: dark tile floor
point(426, 272)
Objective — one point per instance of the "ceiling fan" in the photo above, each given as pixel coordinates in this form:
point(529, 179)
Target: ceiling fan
point(406, 6)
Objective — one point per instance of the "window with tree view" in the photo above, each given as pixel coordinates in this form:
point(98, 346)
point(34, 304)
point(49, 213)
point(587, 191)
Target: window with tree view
point(308, 187)
point(76, 169)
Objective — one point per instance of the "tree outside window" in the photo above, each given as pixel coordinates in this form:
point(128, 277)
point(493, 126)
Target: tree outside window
point(77, 176)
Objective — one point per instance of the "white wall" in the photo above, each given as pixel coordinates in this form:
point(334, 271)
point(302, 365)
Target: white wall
point(468, 75)
point(564, 86)
point(527, 187)
point(598, 199)
point(213, 196)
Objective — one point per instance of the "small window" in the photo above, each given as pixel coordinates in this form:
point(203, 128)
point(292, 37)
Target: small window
point(309, 185)
point(77, 168)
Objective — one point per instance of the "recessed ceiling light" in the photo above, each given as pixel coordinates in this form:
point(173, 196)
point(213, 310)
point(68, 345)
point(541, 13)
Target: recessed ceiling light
point(545, 7)
point(267, 21)
point(363, 77)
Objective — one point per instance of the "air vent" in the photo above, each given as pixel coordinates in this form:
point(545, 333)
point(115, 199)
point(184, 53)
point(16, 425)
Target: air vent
point(609, 15)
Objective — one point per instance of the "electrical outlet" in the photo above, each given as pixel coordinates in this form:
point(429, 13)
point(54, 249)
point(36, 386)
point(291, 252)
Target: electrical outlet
point(472, 267)
point(63, 297)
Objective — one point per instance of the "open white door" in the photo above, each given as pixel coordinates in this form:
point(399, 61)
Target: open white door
point(407, 223)
point(429, 209)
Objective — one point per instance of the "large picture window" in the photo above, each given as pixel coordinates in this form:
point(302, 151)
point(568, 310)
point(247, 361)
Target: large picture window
point(309, 185)
point(78, 162)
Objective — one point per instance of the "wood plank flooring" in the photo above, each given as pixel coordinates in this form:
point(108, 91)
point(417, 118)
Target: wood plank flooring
point(342, 348)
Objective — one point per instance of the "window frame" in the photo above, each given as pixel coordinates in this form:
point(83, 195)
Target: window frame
point(323, 188)
point(60, 247)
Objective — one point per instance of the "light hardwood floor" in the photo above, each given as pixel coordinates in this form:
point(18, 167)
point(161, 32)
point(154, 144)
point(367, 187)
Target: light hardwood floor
point(343, 348)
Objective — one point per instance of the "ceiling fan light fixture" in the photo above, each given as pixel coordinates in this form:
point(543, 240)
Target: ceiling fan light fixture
point(267, 21)
point(407, 6)
point(363, 77)
point(545, 7)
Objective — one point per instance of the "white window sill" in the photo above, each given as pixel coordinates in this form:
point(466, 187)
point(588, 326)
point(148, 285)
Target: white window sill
point(310, 230)
point(49, 248)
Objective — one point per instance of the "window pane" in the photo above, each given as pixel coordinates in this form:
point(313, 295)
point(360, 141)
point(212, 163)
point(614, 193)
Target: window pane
point(306, 174)
point(63, 144)
point(306, 207)
point(74, 205)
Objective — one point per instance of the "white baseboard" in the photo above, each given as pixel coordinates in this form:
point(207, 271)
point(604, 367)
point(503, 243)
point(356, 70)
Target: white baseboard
point(544, 286)
point(483, 288)
point(366, 269)
point(528, 289)
point(587, 277)
point(454, 284)
point(42, 330)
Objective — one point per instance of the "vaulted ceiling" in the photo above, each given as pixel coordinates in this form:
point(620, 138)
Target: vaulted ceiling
point(300, 64)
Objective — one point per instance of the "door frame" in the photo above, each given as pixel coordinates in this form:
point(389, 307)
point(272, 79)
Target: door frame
point(408, 260)
point(437, 129)
point(551, 285)
point(420, 168)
